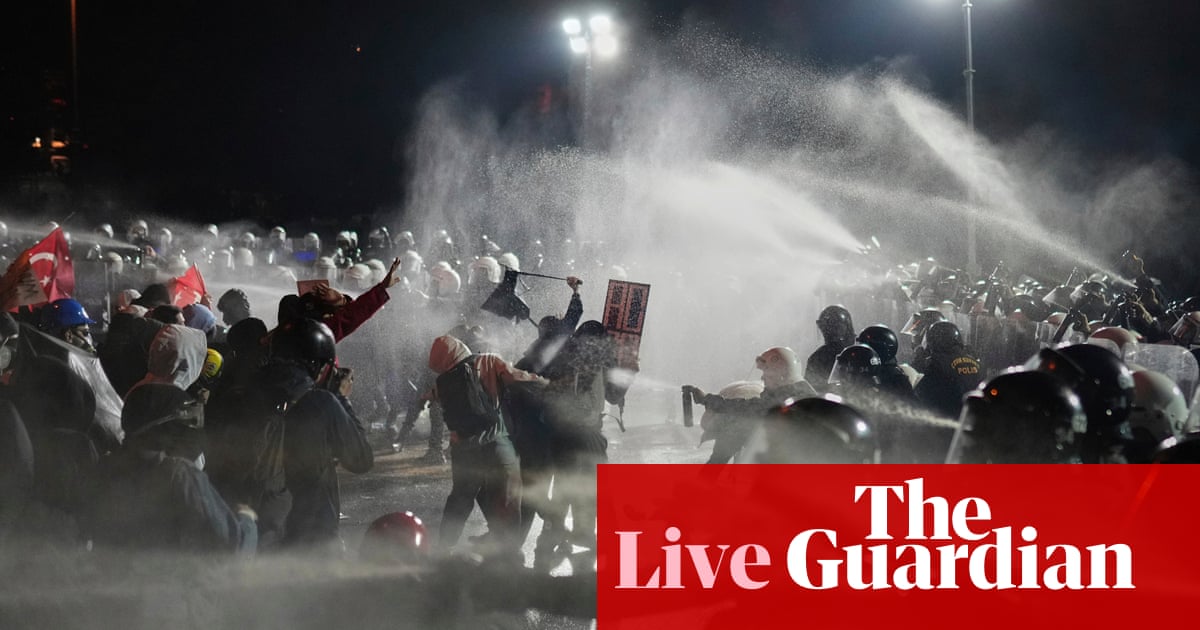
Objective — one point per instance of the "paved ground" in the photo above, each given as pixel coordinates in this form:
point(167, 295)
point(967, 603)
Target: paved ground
point(402, 481)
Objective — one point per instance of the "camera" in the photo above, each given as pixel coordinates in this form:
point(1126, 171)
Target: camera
point(337, 376)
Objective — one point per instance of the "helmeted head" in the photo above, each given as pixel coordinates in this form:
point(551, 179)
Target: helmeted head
point(277, 236)
point(509, 260)
point(1105, 387)
point(882, 340)
point(138, 231)
point(1020, 417)
point(357, 277)
point(312, 242)
point(378, 270)
point(305, 342)
point(779, 366)
point(1159, 411)
point(208, 235)
point(1125, 340)
point(398, 537)
point(105, 230)
point(1182, 450)
point(819, 430)
point(346, 240)
point(406, 241)
point(116, 264)
point(943, 336)
point(379, 239)
point(919, 324)
point(66, 319)
point(444, 281)
point(835, 325)
point(243, 258)
point(213, 364)
point(484, 269)
point(325, 268)
point(856, 367)
point(163, 240)
point(247, 240)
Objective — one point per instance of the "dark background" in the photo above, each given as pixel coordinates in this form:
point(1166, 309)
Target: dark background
point(209, 110)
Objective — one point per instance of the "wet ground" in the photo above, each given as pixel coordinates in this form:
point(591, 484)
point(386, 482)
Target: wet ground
point(406, 481)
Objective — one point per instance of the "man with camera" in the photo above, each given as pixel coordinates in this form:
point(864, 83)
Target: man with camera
point(322, 431)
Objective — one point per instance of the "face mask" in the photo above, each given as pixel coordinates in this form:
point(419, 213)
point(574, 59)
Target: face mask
point(81, 338)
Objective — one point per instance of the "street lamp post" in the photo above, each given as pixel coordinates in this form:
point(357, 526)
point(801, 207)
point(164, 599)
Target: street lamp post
point(594, 38)
point(969, 76)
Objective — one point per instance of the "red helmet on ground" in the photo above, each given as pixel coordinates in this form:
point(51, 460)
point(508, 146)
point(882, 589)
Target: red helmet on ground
point(395, 537)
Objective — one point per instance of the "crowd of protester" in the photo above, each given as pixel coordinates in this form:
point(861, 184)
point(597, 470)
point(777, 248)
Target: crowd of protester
point(193, 425)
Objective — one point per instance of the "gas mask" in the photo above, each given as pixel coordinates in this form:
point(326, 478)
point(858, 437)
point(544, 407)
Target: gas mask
point(80, 337)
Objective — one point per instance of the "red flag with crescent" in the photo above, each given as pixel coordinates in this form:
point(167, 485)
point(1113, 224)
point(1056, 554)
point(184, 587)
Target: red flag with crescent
point(188, 288)
point(43, 273)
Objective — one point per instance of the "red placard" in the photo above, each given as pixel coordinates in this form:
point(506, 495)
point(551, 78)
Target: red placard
point(815, 546)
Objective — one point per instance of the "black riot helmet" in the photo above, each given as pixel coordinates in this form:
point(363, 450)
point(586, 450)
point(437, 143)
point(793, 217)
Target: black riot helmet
point(1105, 387)
point(835, 324)
point(1033, 309)
point(882, 340)
point(1190, 304)
point(1022, 417)
point(919, 323)
point(813, 431)
point(1183, 450)
point(856, 366)
point(943, 336)
point(306, 342)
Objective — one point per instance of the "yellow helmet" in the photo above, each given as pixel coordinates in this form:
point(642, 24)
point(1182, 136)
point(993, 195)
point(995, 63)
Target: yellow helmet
point(212, 364)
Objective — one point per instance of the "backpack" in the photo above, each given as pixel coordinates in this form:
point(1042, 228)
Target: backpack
point(250, 451)
point(467, 408)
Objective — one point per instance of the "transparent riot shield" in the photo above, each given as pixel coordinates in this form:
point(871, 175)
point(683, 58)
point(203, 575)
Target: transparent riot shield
point(1174, 361)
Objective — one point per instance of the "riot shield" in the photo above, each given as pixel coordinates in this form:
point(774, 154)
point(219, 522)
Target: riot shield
point(1174, 361)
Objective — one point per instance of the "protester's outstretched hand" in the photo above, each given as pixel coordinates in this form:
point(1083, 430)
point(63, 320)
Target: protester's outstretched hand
point(391, 279)
point(574, 283)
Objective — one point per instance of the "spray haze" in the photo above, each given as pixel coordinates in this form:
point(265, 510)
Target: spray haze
point(731, 180)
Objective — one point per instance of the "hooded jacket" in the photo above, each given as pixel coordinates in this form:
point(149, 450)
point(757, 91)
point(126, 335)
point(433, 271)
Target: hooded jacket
point(494, 371)
point(176, 357)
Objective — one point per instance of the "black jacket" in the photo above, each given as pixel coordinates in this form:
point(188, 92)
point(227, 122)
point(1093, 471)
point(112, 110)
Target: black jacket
point(151, 501)
point(321, 432)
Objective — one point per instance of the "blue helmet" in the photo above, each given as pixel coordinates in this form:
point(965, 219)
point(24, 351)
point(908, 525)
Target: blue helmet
point(64, 313)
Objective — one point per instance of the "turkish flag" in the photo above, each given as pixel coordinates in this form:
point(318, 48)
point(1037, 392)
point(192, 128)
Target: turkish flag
point(188, 288)
point(43, 273)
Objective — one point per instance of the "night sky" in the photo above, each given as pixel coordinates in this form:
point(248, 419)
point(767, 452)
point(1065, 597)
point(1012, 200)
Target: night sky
point(182, 101)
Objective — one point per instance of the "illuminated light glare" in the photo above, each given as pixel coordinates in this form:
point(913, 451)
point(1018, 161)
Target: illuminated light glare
point(600, 25)
point(572, 26)
point(579, 45)
point(37, 143)
point(606, 45)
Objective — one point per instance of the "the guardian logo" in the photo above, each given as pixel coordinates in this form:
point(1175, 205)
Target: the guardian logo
point(973, 556)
